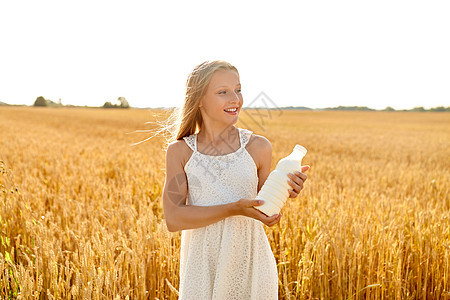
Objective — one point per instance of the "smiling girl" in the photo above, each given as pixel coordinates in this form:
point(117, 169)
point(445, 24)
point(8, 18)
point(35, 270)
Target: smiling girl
point(214, 171)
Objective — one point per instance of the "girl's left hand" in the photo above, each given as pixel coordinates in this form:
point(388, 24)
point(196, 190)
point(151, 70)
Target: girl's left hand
point(296, 181)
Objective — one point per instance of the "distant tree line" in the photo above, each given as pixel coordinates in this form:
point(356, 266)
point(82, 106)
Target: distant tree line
point(365, 108)
point(350, 108)
point(420, 108)
point(41, 101)
point(122, 103)
point(438, 108)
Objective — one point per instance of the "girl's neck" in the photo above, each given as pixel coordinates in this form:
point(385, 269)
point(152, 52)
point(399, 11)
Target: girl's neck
point(218, 135)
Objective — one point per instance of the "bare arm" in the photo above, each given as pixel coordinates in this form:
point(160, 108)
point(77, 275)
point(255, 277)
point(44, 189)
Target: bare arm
point(264, 157)
point(180, 216)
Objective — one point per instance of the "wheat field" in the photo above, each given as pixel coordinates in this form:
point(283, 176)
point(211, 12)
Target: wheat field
point(81, 210)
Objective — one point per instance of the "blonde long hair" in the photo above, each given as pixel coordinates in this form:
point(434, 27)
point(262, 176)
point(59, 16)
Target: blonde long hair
point(191, 119)
point(188, 120)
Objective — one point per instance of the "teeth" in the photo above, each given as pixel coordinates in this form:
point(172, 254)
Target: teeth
point(231, 109)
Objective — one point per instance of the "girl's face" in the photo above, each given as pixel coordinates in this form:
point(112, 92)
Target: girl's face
point(223, 100)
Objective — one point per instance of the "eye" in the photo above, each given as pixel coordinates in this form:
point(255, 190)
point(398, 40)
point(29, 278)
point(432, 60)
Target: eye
point(222, 92)
point(238, 90)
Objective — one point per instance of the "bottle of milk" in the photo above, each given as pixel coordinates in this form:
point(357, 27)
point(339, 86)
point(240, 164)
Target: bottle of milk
point(275, 190)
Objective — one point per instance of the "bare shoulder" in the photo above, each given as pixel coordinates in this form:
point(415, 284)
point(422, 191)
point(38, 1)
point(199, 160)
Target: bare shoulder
point(179, 151)
point(260, 149)
point(178, 145)
point(259, 143)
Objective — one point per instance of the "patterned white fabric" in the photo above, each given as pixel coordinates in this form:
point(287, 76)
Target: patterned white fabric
point(230, 259)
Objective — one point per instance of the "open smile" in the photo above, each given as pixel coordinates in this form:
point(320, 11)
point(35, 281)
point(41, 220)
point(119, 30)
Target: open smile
point(231, 111)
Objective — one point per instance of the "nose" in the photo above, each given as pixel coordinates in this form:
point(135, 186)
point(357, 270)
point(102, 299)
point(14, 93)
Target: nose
point(235, 98)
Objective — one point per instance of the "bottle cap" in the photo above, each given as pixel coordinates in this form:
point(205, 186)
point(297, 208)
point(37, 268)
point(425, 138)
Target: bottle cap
point(301, 149)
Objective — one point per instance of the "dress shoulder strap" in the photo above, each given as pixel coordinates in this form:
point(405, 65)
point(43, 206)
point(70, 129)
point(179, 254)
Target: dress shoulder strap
point(245, 135)
point(191, 141)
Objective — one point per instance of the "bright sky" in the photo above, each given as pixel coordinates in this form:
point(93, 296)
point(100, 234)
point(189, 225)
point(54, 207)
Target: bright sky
point(300, 53)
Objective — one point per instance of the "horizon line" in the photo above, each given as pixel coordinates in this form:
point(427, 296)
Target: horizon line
point(289, 107)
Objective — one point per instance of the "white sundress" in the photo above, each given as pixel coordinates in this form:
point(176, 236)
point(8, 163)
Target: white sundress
point(232, 258)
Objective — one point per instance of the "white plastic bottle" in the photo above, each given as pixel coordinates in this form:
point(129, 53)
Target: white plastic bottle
point(275, 190)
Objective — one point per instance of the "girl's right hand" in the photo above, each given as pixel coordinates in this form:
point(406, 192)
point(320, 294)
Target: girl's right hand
point(245, 207)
